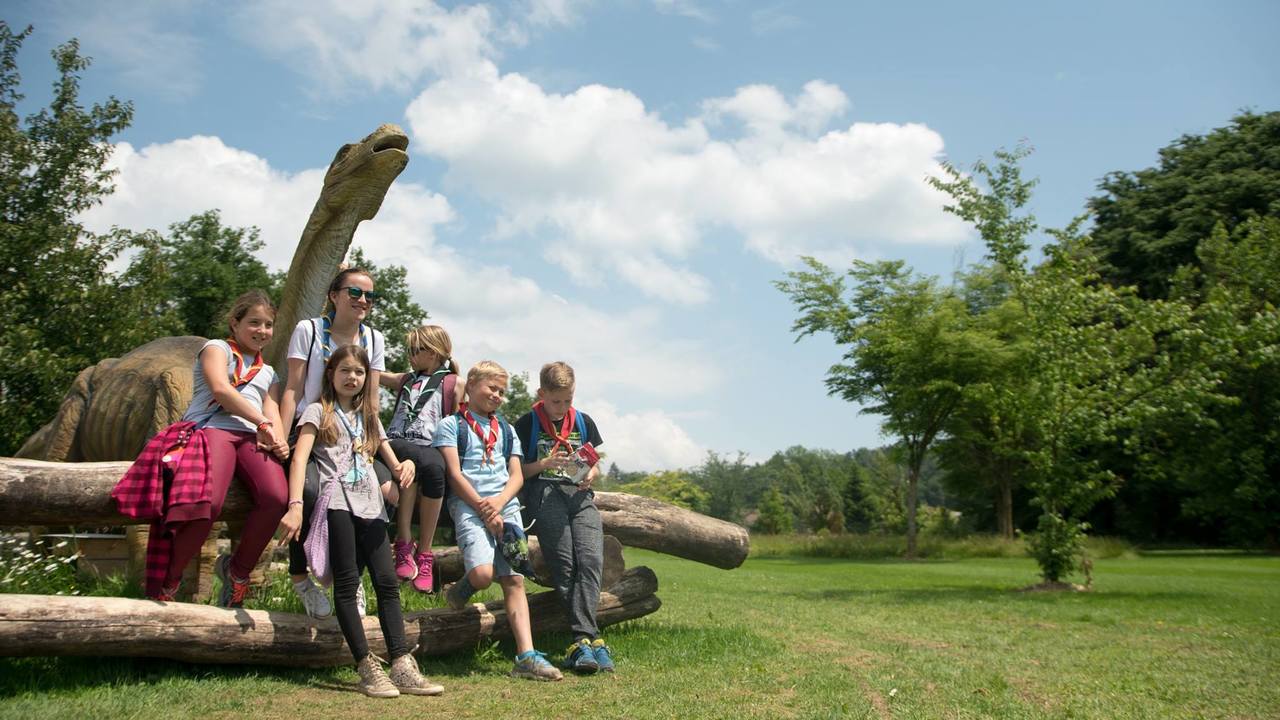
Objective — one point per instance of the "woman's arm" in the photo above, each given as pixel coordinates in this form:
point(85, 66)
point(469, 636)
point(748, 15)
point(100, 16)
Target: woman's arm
point(291, 523)
point(295, 382)
point(391, 381)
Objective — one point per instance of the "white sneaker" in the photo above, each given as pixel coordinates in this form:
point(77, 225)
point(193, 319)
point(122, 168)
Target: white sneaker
point(360, 599)
point(314, 600)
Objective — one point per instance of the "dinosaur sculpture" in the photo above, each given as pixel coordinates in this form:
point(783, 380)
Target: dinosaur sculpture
point(113, 407)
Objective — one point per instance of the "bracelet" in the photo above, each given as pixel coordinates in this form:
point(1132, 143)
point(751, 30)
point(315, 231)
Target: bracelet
point(264, 423)
point(295, 502)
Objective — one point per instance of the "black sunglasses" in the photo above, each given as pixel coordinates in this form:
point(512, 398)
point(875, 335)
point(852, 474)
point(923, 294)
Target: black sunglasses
point(356, 293)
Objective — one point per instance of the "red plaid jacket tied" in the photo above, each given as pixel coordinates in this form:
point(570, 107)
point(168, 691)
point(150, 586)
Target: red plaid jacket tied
point(146, 493)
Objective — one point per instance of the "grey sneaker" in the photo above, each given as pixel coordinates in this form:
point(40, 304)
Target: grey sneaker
point(455, 598)
point(405, 676)
point(360, 598)
point(314, 600)
point(373, 680)
point(533, 665)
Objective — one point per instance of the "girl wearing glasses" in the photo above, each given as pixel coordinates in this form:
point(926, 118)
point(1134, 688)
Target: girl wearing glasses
point(351, 297)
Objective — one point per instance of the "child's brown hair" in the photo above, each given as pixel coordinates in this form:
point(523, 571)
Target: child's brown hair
point(556, 376)
point(365, 402)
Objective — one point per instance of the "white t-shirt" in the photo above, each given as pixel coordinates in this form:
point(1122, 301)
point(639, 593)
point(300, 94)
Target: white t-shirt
point(307, 343)
point(202, 402)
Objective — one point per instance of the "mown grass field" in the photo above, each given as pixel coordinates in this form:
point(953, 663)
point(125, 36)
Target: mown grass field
point(1162, 636)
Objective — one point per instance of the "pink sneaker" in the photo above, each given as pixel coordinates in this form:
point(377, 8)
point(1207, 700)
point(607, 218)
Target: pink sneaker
point(425, 579)
point(405, 567)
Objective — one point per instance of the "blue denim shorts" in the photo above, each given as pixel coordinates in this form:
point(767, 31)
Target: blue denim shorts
point(478, 546)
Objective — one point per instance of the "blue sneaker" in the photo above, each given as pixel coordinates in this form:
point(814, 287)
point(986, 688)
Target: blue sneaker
point(581, 658)
point(533, 665)
point(604, 659)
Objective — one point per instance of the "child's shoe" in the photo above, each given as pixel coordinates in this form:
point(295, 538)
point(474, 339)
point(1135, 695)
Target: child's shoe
point(373, 680)
point(405, 676)
point(425, 580)
point(604, 658)
point(314, 600)
point(233, 591)
point(533, 665)
point(166, 595)
point(406, 568)
point(454, 597)
point(581, 658)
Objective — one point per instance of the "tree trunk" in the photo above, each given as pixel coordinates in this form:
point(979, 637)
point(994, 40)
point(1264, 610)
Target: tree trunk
point(33, 492)
point(913, 487)
point(1004, 506)
point(32, 625)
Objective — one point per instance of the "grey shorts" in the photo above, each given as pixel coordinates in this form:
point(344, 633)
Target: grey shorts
point(477, 544)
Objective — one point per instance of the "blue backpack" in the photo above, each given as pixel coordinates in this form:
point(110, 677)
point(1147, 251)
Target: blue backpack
point(464, 436)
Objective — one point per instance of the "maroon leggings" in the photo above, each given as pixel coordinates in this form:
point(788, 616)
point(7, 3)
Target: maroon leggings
point(235, 454)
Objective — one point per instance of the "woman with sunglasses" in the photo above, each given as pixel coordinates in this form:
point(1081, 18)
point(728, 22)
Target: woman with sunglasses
point(351, 297)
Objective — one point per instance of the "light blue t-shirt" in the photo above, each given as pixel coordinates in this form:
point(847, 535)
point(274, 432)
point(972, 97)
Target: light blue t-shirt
point(202, 402)
point(487, 478)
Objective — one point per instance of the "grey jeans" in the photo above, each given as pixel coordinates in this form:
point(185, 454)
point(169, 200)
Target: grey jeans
point(572, 539)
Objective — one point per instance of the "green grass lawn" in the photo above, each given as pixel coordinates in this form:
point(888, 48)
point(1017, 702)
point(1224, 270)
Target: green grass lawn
point(1161, 636)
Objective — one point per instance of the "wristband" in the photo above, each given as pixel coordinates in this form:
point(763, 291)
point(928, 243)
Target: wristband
point(295, 502)
point(264, 423)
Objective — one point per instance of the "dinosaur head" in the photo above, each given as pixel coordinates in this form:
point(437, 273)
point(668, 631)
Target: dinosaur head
point(361, 172)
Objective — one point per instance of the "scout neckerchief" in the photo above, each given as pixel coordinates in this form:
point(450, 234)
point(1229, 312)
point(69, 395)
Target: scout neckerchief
point(357, 471)
point(237, 378)
point(491, 441)
point(562, 437)
point(424, 393)
point(326, 340)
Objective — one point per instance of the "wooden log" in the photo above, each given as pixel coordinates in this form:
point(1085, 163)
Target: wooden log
point(655, 525)
point(36, 625)
point(34, 492)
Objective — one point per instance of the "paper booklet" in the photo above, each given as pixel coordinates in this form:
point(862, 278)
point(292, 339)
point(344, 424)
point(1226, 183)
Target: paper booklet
point(582, 461)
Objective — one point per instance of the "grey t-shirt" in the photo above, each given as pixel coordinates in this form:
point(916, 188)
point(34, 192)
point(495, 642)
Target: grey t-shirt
point(203, 405)
point(334, 463)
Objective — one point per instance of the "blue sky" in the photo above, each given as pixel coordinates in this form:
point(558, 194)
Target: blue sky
point(616, 184)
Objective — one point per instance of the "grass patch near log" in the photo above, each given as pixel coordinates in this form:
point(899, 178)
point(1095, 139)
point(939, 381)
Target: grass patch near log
point(853, 546)
point(1177, 635)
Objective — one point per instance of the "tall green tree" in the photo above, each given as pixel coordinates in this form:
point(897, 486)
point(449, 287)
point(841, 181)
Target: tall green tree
point(1149, 223)
point(1097, 365)
point(909, 351)
point(60, 307)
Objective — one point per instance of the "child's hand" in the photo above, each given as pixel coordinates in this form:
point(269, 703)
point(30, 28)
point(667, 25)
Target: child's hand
point(494, 525)
point(281, 451)
point(291, 524)
point(557, 460)
point(405, 473)
point(489, 509)
point(391, 493)
point(592, 474)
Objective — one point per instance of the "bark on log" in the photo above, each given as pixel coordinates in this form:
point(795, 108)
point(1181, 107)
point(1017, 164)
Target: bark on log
point(655, 525)
point(34, 625)
point(33, 492)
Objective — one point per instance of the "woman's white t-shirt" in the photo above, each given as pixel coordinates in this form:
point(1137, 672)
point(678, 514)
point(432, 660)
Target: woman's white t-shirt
point(307, 343)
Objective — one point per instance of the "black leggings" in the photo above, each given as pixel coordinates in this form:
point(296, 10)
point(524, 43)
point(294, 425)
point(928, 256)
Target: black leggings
point(428, 466)
point(356, 544)
point(310, 490)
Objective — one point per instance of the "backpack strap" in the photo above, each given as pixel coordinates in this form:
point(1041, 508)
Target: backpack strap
point(448, 393)
point(582, 427)
point(315, 330)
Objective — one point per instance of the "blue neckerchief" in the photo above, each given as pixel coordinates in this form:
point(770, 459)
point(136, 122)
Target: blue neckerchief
point(358, 464)
point(326, 339)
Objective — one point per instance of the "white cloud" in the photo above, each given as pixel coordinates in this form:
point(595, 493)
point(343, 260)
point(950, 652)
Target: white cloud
point(602, 184)
point(649, 440)
point(684, 8)
point(165, 183)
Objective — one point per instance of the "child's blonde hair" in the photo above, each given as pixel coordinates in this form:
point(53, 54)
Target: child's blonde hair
point(365, 402)
point(435, 339)
point(485, 369)
point(556, 376)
